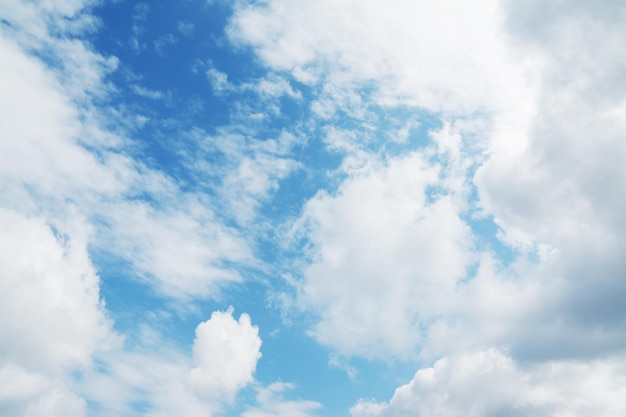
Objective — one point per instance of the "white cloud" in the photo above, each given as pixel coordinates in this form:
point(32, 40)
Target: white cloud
point(45, 155)
point(219, 81)
point(67, 164)
point(389, 249)
point(442, 57)
point(68, 185)
point(554, 181)
point(225, 353)
point(51, 315)
point(535, 89)
point(489, 383)
point(178, 251)
point(385, 257)
point(167, 381)
point(271, 403)
point(154, 377)
point(250, 171)
point(147, 93)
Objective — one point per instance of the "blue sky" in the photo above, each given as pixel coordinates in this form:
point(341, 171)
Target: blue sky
point(312, 208)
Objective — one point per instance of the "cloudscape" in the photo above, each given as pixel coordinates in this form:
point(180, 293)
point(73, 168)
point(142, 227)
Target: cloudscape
point(299, 208)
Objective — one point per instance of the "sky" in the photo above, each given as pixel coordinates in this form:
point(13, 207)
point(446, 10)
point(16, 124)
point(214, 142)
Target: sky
point(332, 208)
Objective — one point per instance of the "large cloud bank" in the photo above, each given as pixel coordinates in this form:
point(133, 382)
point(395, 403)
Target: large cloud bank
point(530, 96)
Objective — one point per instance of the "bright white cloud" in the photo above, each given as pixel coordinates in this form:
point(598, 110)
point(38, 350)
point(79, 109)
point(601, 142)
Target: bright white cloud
point(444, 56)
point(179, 251)
point(489, 383)
point(225, 353)
point(51, 315)
point(45, 155)
point(168, 381)
point(385, 257)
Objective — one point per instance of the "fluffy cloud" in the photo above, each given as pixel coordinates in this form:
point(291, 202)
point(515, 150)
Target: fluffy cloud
point(386, 255)
point(489, 383)
point(554, 181)
point(51, 315)
point(225, 353)
point(441, 57)
point(167, 381)
point(540, 93)
point(537, 90)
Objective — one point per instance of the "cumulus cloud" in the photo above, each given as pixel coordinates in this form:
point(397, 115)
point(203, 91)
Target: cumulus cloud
point(536, 90)
point(553, 181)
point(385, 256)
point(51, 315)
point(530, 100)
point(490, 383)
point(225, 353)
point(169, 381)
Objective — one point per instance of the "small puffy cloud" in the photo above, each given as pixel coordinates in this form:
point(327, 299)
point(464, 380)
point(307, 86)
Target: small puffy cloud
point(167, 380)
point(147, 93)
point(225, 353)
point(490, 383)
point(219, 81)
